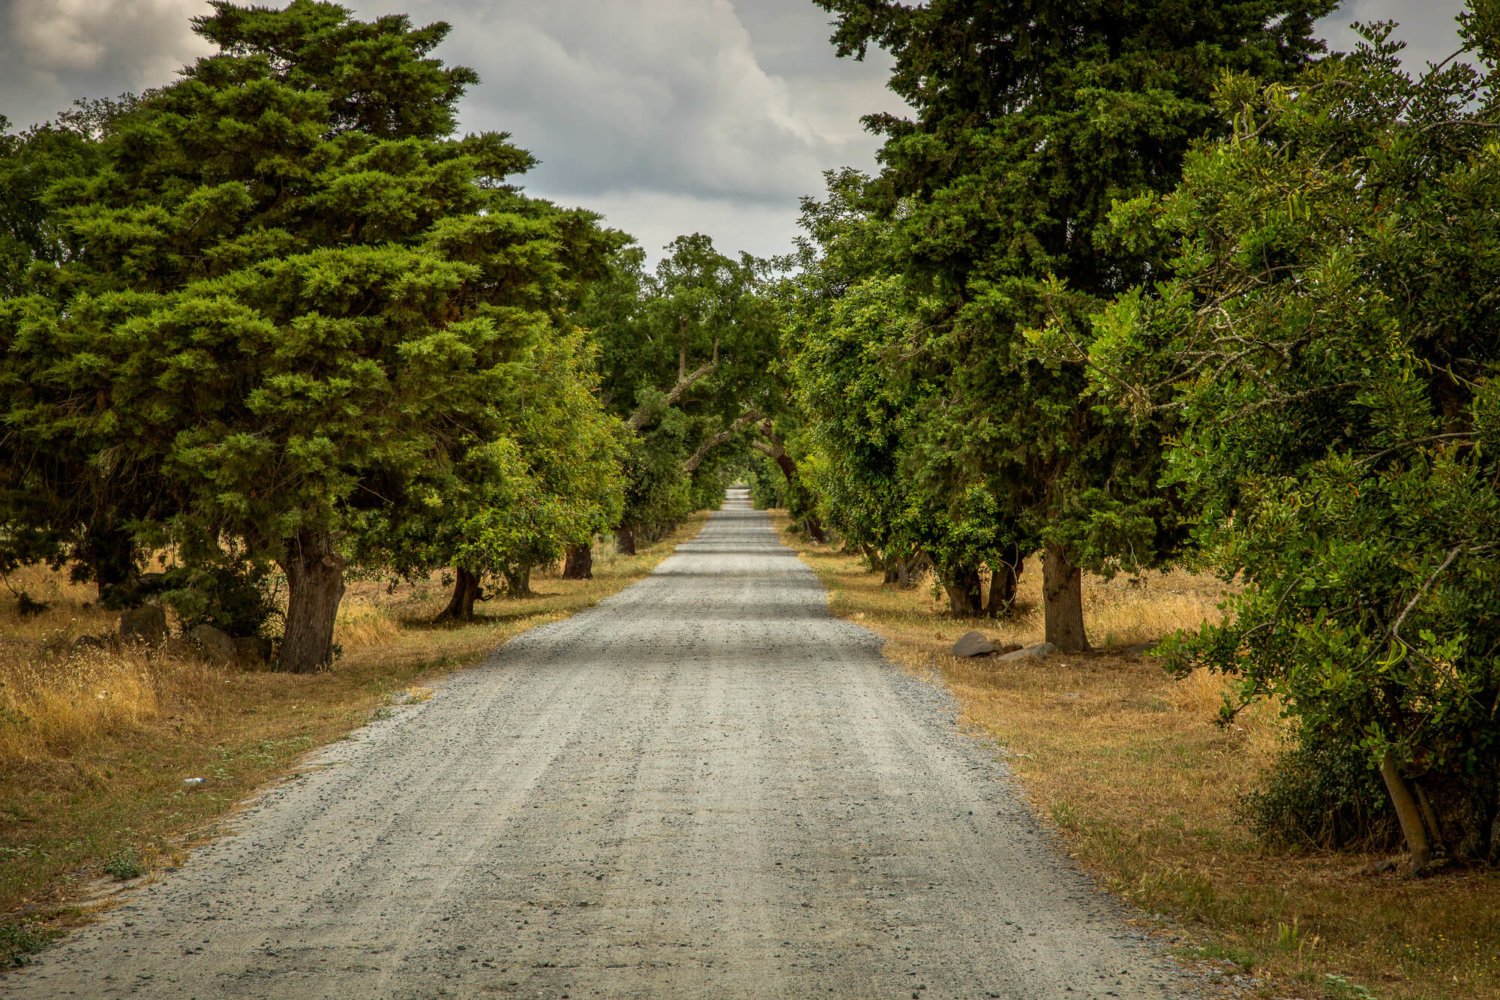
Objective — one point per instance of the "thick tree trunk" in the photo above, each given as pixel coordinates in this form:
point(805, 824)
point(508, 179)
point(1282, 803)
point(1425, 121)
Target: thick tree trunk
point(465, 592)
point(579, 564)
point(1002, 589)
point(625, 541)
point(109, 553)
point(518, 584)
point(814, 529)
point(892, 571)
point(1062, 597)
point(962, 585)
point(1408, 813)
point(315, 585)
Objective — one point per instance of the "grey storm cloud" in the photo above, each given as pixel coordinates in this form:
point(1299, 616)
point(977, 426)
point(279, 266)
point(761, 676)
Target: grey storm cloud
point(668, 116)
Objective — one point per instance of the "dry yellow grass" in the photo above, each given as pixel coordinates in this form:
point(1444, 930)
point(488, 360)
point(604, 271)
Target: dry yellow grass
point(1129, 765)
point(95, 744)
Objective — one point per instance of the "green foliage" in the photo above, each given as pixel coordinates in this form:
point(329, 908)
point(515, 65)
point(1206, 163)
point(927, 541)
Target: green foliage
point(232, 595)
point(1322, 793)
point(124, 865)
point(283, 293)
point(1029, 122)
point(1328, 345)
point(20, 939)
point(684, 358)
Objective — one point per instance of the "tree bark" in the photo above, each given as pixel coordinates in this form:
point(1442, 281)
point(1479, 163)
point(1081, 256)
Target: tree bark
point(625, 541)
point(642, 415)
point(962, 585)
point(1062, 597)
point(714, 440)
point(518, 583)
point(907, 569)
point(1002, 589)
point(315, 585)
point(465, 592)
point(1408, 813)
point(580, 563)
point(892, 568)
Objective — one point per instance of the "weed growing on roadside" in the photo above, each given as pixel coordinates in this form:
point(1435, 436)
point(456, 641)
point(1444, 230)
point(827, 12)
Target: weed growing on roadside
point(124, 865)
point(20, 939)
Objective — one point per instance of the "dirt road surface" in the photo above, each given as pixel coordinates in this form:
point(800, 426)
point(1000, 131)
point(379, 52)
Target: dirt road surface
point(705, 787)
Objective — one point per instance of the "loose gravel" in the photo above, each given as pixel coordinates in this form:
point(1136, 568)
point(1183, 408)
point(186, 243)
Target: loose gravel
point(705, 787)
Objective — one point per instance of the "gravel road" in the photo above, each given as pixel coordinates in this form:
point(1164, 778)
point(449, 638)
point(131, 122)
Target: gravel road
point(705, 787)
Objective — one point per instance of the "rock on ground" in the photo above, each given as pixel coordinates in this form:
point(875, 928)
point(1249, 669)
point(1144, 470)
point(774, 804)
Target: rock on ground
point(213, 644)
point(1040, 651)
point(973, 644)
point(704, 787)
point(146, 625)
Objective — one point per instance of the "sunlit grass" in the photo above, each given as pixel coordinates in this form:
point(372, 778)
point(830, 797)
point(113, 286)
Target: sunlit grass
point(1131, 767)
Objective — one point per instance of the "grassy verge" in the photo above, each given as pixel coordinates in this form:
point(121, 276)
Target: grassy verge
point(95, 744)
point(1128, 764)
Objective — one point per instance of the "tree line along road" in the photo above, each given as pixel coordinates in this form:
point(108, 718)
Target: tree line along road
point(706, 786)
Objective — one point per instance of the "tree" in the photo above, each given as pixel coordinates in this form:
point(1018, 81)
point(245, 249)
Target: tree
point(1029, 120)
point(1328, 345)
point(684, 358)
point(292, 288)
point(850, 319)
point(57, 503)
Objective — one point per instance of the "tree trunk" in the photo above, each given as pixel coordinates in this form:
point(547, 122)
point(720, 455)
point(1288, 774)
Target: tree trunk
point(1062, 597)
point(814, 529)
point(518, 583)
point(1408, 813)
point(892, 571)
point(962, 585)
point(579, 564)
point(625, 541)
point(465, 591)
point(906, 571)
point(315, 585)
point(109, 553)
point(1002, 589)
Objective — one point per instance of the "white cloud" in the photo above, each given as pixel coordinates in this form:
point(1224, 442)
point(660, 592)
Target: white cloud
point(655, 218)
point(671, 116)
point(1428, 28)
point(53, 51)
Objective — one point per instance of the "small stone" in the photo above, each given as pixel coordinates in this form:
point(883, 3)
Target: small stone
point(973, 644)
point(1040, 651)
point(89, 642)
point(146, 625)
point(213, 644)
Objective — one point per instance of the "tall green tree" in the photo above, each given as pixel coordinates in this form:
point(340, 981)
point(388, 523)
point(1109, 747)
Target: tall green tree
point(1028, 121)
point(1329, 347)
point(291, 287)
point(851, 317)
point(56, 502)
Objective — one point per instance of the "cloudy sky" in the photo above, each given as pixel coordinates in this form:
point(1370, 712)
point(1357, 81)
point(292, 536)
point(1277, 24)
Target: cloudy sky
point(669, 116)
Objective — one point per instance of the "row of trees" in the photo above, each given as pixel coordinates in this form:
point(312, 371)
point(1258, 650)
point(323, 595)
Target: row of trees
point(1131, 287)
point(279, 316)
point(1137, 287)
